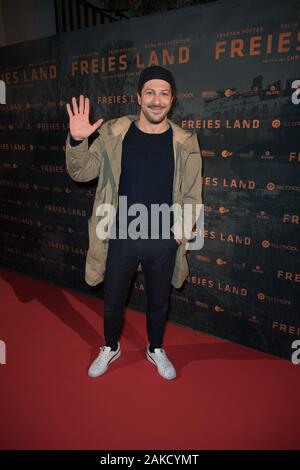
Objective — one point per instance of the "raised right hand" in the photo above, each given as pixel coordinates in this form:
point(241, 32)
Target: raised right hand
point(80, 126)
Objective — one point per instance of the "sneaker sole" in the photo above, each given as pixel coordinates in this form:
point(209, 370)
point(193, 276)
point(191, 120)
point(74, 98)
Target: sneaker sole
point(153, 362)
point(116, 356)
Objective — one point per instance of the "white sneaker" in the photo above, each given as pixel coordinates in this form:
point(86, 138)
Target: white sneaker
point(101, 363)
point(164, 365)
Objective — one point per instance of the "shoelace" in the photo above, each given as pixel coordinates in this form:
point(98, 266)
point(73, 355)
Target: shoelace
point(104, 352)
point(161, 352)
point(162, 358)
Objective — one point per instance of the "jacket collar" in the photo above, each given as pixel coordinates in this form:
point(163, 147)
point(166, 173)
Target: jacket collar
point(122, 124)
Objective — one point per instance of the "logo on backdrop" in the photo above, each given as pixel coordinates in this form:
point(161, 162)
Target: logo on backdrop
point(260, 44)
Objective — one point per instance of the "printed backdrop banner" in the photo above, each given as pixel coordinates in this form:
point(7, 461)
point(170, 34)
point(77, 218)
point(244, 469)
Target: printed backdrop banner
point(236, 66)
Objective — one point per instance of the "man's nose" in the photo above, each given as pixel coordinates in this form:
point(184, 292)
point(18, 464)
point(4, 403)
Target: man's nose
point(157, 99)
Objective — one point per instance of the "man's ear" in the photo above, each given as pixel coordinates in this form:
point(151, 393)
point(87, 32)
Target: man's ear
point(138, 98)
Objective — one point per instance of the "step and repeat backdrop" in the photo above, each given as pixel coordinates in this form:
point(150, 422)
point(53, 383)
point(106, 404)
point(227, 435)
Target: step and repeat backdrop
point(237, 69)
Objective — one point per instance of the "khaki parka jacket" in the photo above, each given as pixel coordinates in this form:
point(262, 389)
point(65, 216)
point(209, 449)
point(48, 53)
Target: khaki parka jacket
point(102, 160)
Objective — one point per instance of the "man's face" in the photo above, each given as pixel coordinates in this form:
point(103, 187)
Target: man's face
point(155, 100)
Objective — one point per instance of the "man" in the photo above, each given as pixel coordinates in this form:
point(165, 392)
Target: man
point(148, 160)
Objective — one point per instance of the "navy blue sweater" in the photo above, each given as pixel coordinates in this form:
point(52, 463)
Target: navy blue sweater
point(147, 171)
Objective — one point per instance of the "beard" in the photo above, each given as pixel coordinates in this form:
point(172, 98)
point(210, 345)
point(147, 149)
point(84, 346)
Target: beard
point(152, 116)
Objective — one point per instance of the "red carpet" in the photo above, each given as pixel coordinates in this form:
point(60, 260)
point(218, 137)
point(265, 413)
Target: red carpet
point(225, 397)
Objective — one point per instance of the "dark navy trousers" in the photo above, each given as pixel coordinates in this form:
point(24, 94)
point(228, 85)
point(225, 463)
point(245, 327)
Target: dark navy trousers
point(157, 257)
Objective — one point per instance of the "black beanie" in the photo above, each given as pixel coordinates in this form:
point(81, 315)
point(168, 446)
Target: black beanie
point(156, 72)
